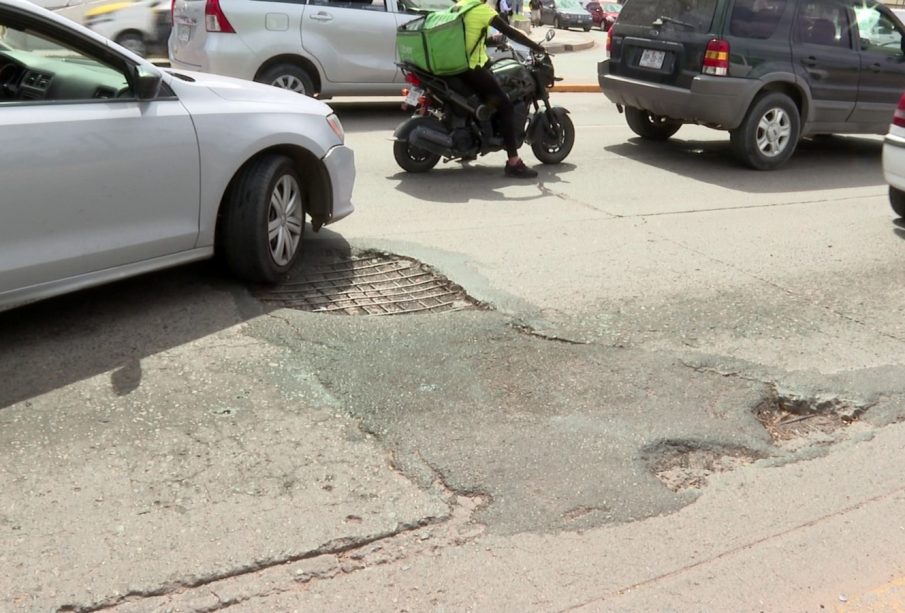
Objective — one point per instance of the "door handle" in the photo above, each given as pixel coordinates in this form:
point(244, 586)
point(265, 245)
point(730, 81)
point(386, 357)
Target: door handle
point(321, 16)
point(809, 61)
point(875, 67)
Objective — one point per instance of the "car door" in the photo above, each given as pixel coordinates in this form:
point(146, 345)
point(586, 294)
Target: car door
point(354, 41)
point(547, 11)
point(91, 177)
point(882, 64)
point(825, 58)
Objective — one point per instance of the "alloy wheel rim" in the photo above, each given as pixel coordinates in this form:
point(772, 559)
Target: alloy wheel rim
point(285, 220)
point(289, 82)
point(774, 131)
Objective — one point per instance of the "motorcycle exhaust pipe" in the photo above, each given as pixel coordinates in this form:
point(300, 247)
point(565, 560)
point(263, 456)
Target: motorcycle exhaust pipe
point(431, 140)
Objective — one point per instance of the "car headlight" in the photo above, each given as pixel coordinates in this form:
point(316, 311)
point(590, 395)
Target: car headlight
point(337, 127)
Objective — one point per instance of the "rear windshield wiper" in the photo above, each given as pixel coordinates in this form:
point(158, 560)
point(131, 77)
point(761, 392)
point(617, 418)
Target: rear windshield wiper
point(659, 21)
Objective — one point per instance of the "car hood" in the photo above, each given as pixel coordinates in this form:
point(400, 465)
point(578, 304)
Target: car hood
point(572, 11)
point(239, 90)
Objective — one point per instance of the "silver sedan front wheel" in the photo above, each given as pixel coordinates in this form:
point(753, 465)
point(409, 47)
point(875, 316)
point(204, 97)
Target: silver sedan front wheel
point(286, 219)
point(263, 220)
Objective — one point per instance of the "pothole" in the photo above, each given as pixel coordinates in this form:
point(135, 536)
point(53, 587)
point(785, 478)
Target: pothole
point(681, 465)
point(367, 283)
point(796, 421)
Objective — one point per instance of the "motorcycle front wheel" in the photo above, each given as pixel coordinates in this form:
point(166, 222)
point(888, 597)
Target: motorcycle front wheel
point(556, 139)
point(413, 159)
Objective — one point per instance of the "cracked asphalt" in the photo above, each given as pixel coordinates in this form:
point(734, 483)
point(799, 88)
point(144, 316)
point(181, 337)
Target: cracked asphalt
point(596, 440)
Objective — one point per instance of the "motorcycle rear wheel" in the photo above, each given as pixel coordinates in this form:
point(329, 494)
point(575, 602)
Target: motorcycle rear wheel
point(413, 159)
point(557, 140)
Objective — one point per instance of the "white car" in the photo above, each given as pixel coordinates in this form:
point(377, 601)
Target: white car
point(894, 159)
point(328, 47)
point(110, 167)
point(141, 26)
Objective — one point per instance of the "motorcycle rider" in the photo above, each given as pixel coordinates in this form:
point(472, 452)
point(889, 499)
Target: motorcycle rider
point(481, 80)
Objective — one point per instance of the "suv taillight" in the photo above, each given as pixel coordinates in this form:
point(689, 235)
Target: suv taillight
point(716, 58)
point(215, 20)
point(898, 118)
point(609, 43)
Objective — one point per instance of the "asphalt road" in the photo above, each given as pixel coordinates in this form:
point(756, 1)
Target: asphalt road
point(684, 395)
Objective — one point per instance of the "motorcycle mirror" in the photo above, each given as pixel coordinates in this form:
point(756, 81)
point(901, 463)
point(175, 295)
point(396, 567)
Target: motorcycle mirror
point(550, 34)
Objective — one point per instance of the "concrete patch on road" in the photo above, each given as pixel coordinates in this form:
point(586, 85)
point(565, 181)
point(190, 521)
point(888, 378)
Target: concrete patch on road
point(223, 458)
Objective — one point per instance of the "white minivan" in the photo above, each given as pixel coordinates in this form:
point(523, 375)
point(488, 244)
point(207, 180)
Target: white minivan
point(315, 47)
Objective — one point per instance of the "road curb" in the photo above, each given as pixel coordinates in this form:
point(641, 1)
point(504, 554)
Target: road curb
point(566, 47)
point(576, 88)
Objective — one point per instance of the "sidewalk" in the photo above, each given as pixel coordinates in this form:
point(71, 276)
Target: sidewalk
point(566, 41)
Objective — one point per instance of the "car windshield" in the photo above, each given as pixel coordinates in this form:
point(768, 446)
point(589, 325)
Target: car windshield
point(569, 4)
point(682, 15)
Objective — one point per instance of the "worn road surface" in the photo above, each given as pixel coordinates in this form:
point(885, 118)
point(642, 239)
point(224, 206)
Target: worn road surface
point(675, 385)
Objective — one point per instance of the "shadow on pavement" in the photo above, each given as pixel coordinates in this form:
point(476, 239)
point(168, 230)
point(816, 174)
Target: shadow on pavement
point(56, 342)
point(824, 163)
point(457, 183)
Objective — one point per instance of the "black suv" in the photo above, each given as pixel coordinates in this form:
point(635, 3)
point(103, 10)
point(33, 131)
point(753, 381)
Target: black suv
point(768, 71)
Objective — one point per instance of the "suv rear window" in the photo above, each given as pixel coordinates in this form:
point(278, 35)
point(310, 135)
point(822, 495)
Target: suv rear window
point(682, 15)
point(756, 18)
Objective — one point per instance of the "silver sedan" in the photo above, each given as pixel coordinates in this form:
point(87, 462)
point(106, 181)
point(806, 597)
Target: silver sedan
point(110, 167)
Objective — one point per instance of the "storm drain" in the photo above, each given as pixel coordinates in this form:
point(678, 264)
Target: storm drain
point(369, 283)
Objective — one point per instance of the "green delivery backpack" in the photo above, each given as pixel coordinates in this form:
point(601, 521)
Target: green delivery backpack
point(436, 42)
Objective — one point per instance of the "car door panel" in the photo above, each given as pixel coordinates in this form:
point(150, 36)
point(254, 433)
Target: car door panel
point(882, 65)
point(93, 185)
point(826, 60)
point(354, 42)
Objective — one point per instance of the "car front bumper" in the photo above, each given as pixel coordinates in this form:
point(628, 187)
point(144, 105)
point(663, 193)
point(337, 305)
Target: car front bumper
point(340, 164)
point(714, 101)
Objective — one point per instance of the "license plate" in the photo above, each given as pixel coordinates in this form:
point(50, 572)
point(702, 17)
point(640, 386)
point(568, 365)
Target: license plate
point(413, 96)
point(184, 33)
point(651, 58)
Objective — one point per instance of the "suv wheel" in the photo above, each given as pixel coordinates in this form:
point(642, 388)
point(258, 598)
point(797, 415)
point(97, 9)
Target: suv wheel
point(769, 133)
point(650, 126)
point(897, 200)
point(288, 76)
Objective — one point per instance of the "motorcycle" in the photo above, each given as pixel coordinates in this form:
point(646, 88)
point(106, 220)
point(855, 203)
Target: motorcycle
point(450, 122)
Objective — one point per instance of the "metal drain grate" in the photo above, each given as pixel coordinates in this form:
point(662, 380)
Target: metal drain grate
point(368, 284)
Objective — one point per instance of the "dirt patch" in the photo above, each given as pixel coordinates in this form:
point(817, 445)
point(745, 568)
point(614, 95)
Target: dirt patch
point(683, 464)
point(796, 420)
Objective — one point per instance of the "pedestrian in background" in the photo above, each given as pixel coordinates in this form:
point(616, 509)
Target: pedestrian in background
point(504, 10)
point(534, 5)
point(517, 7)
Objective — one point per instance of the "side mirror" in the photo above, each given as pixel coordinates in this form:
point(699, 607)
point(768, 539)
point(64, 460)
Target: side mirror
point(145, 83)
point(551, 33)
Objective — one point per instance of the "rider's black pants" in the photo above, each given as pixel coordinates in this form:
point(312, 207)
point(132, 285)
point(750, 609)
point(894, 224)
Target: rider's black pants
point(481, 80)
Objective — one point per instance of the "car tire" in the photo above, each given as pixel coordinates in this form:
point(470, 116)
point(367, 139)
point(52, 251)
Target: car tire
point(134, 42)
point(263, 221)
point(768, 135)
point(288, 76)
point(557, 23)
point(649, 126)
point(897, 201)
point(587, 28)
